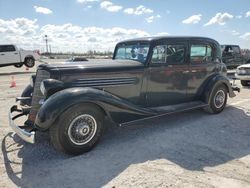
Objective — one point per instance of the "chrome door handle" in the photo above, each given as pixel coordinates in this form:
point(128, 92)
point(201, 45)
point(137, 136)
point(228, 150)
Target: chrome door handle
point(185, 72)
point(193, 71)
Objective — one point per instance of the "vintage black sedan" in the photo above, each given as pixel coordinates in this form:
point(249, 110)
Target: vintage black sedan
point(147, 78)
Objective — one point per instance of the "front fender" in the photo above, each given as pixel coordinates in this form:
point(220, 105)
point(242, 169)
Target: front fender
point(215, 81)
point(27, 92)
point(116, 109)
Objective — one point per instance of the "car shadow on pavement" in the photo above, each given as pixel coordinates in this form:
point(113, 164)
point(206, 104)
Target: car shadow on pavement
point(192, 140)
point(16, 73)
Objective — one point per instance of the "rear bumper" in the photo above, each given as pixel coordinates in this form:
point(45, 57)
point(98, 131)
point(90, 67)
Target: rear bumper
point(24, 132)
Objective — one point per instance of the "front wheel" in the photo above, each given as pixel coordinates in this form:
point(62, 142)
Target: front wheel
point(244, 82)
point(218, 100)
point(78, 129)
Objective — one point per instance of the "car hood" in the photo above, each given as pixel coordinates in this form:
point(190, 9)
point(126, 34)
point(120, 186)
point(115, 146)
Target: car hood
point(244, 66)
point(90, 64)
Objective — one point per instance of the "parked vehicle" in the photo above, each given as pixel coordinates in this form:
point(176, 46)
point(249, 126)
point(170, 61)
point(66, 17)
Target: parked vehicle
point(11, 55)
point(147, 78)
point(243, 74)
point(232, 56)
point(77, 59)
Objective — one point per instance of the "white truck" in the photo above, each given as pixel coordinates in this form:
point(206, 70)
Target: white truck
point(11, 55)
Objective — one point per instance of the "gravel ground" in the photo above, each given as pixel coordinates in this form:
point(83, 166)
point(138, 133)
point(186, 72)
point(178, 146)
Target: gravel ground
point(192, 149)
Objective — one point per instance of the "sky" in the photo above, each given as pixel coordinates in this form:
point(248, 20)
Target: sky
point(83, 25)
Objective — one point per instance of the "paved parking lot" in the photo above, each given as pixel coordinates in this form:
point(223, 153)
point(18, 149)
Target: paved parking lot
point(192, 149)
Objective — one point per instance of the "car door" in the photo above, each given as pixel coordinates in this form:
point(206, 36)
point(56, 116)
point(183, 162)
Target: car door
point(167, 74)
point(202, 65)
point(9, 54)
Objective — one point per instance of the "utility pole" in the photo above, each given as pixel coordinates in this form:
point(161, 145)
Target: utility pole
point(46, 41)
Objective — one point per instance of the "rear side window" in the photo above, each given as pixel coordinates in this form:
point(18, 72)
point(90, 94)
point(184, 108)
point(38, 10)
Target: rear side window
point(200, 53)
point(7, 48)
point(168, 54)
point(231, 49)
point(236, 49)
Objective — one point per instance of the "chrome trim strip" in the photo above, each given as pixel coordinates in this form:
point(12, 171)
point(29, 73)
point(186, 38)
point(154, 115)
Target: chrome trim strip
point(103, 84)
point(112, 78)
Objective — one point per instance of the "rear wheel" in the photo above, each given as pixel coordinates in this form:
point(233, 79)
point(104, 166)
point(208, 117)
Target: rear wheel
point(18, 65)
point(244, 82)
point(29, 62)
point(218, 100)
point(78, 129)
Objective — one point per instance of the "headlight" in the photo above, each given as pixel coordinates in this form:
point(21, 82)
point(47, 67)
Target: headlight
point(241, 71)
point(42, 88)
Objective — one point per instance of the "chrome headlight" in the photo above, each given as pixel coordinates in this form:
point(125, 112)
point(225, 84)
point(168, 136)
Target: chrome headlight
point(42, 88)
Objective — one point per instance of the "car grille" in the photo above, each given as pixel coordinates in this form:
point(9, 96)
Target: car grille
point(37, 95)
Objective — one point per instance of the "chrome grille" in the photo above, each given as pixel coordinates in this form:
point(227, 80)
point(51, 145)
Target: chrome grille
point(37, 95)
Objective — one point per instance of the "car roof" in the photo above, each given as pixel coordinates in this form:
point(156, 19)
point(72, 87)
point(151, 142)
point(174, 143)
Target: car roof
point(229, 45)
point(156, 38)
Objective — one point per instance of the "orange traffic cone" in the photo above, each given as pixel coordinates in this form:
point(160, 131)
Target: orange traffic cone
point(13, 82)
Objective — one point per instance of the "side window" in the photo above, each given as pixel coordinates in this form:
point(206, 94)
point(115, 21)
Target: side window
point(7, 48)
point(200, 53)
point(168, 54)
point(159, 54)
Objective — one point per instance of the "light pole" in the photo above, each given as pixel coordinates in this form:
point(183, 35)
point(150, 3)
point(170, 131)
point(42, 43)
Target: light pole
point(46, 41)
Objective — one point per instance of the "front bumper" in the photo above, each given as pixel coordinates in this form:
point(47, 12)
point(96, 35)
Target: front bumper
point(25, 132)
point(242, 77)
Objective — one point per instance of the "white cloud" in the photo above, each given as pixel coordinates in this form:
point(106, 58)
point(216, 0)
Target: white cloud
point(220, 18)
point(87, 1)
point(42, 10)
point(63, 38)
point(138, 10)
point(235, 33)
point(245, 36)
point(248, 14)
point(162, 34)
point(152, 18)
point(193, 19)
point(110, 7)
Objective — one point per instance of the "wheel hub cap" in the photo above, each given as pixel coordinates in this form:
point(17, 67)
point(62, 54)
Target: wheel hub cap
point(82, 129)
point(219, 99)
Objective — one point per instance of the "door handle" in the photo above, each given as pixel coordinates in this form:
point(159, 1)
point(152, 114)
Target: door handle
point(193, 71)
point(16, 53)
point(185, 72)
point(2, 54)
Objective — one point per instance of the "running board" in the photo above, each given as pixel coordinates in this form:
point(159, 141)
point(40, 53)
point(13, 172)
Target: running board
point(170, 109)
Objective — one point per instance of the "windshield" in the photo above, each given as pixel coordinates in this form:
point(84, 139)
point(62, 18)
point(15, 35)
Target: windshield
point(137, 52)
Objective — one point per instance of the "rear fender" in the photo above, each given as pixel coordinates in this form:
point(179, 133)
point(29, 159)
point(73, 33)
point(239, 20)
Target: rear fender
point(213, 83)
point(117, 109)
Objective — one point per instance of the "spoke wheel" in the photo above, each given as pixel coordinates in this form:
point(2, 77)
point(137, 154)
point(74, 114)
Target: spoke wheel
point(78, 129)
point(82, 129)
point(219, 98)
